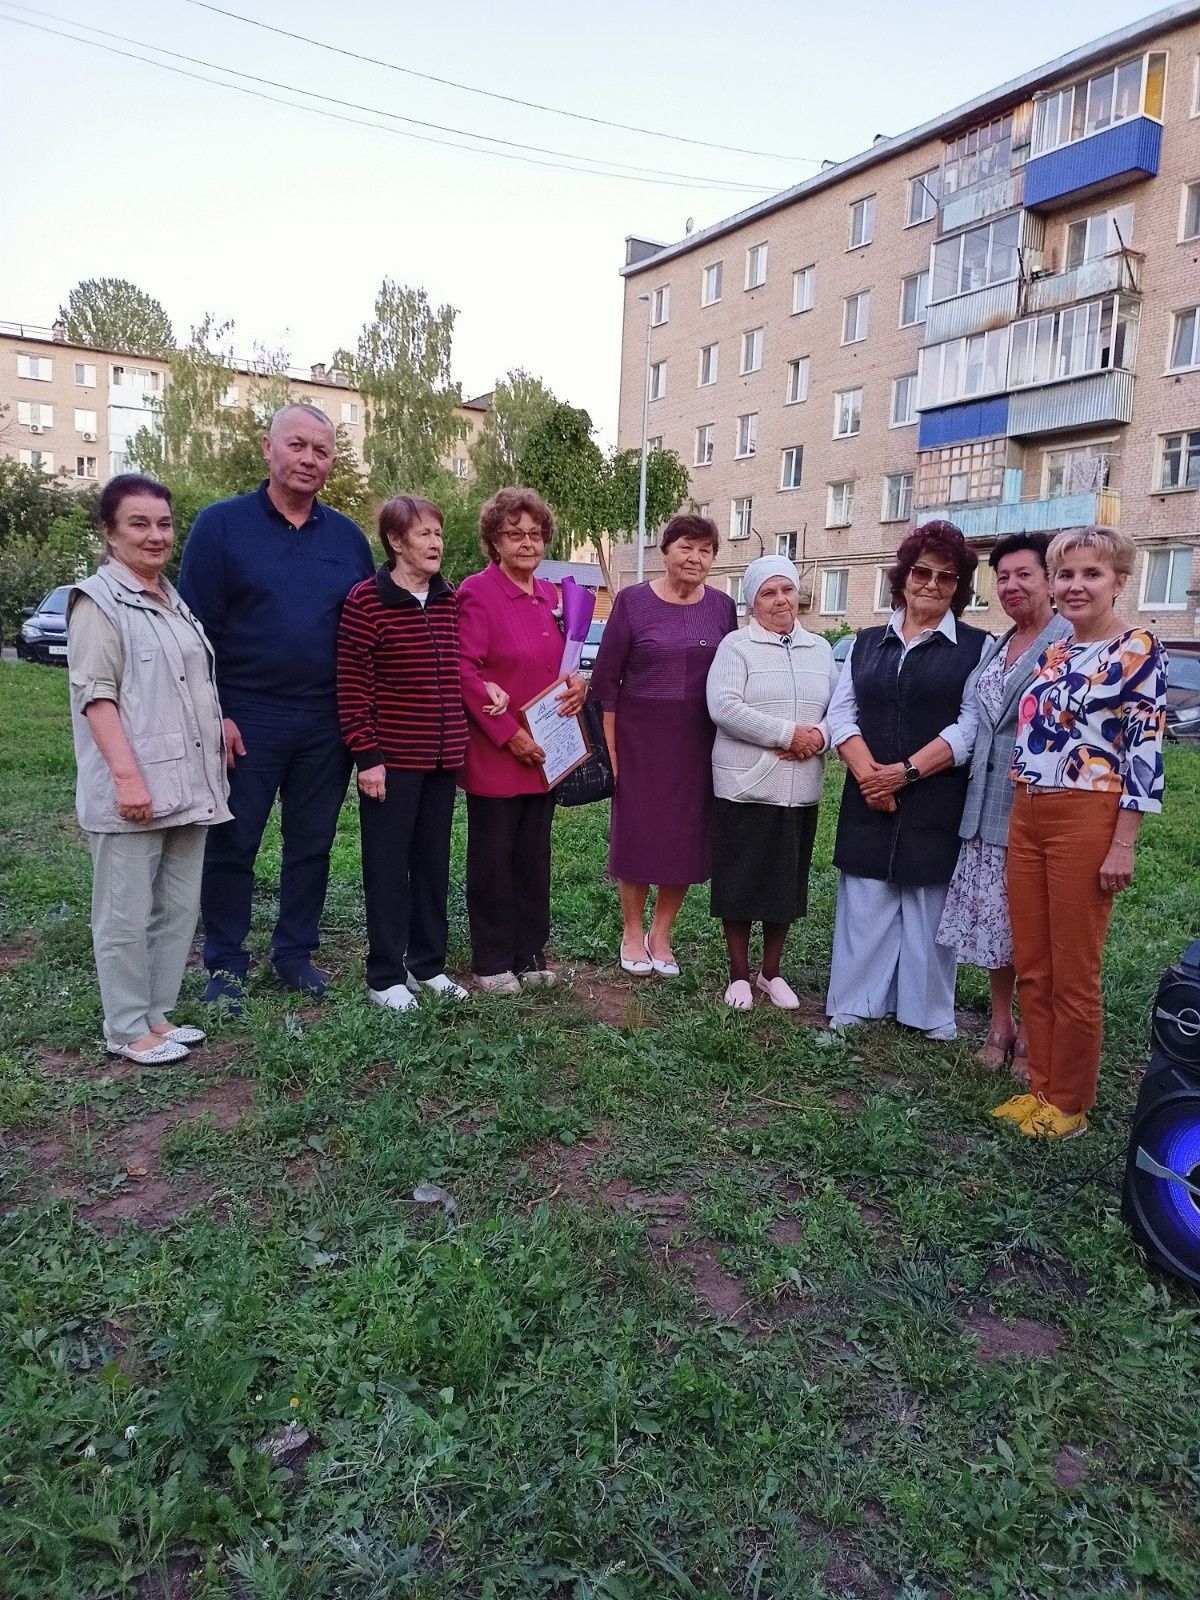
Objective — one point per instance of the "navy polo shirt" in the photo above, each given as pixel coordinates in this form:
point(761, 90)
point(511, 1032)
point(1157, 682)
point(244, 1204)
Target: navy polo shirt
point(270, 597)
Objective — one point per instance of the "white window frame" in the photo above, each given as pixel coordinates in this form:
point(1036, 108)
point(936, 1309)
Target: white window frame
point(752, 352)
point(1108, 226)
point(1057, 334)
point(230, 396)
point(983, 586)
point(967, 347)
point(1054, 112)
point(704, 445)
point(654, 442)
point(1196, 85)
point(910, 421)
point(660, 305)
point(1186, 552)
point(861, 301)
point(845, 517)
point(1186, 452)
point(1185, 204)
point(787, 545)
point(712, 277)
point(904, 503)
point(350, 412)
point(746, 443)
point(1081, 449)
point(702, 507)
point(35, 414)
point(791, 467)
point(756, 265)
point(862, 222)
point(883, 592)
point(44, 462)
point(85, 426)
point(85, 476)
point(958, 241)
point(85, 382)
point(795, 391)
point(847, 408)
point(29, 368)
point(735, 588)
point(1177, 318)
point(657, 379)
point(930, 196)
point(461, 467)
point(843, 575)
point(741, 519)
point(921, 279)
point(804, 289)
point(701, 381)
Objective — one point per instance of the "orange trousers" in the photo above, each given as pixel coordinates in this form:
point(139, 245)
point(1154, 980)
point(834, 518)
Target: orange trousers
point(1060, 918)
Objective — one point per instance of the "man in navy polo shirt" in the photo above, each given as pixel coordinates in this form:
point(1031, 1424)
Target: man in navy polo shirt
point(267, 573)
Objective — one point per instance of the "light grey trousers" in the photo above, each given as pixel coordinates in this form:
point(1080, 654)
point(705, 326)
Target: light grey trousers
point(886, 958)
point(145, 902)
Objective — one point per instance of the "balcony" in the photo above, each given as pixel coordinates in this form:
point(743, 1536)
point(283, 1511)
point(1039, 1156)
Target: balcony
point(1117, 273)
point(994, 518)
point(1122, 154)
point(974, 312)
point(1096, 398)
point(959, 424)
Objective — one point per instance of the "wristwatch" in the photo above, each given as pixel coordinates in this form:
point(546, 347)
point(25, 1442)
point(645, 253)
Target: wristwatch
point(911, 773)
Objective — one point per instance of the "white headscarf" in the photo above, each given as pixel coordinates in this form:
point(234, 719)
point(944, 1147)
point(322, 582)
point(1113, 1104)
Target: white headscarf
point(764, 568)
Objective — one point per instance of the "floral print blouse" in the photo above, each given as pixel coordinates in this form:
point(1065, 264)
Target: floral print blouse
point(1093, 719)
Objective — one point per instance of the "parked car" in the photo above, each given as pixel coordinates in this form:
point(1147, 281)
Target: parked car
point(841, 650)
point(43, 635)
point(1183, 690)
point(591, 645)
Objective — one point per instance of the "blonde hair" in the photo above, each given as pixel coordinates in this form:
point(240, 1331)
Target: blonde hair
point(1117, 548)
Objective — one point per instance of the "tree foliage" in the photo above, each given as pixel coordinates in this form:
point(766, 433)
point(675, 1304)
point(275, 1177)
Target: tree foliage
point(47, 537)
point(114, 314)
point(520, 404)
point(401, 367)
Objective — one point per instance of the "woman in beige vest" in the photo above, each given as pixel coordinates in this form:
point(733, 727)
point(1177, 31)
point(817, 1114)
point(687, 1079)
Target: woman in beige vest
point(151, 768)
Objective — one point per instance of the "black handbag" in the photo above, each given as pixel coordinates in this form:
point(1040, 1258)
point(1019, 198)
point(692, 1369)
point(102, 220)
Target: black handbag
point(593, 779)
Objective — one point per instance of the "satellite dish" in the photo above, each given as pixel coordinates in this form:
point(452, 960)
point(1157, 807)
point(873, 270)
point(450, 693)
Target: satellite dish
point(689, 225)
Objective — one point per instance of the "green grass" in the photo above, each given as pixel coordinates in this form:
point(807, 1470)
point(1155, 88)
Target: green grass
point(525, 1398)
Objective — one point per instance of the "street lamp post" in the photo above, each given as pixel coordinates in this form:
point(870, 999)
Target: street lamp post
point(641, 528)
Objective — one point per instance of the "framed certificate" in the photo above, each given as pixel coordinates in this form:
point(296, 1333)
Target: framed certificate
point(562, 738)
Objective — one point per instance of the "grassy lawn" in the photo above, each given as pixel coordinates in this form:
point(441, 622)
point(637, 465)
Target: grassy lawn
point(723, 1307)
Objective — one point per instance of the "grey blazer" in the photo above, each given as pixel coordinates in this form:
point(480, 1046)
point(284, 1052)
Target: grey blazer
point(989, 789)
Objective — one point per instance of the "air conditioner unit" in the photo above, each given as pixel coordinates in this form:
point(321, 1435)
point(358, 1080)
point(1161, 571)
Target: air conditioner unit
point(89, 438)
point(36, 427)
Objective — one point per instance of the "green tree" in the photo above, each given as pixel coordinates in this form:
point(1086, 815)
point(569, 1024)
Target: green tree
point(401, 367)
point(346, 489)
point(47, 537)
point(114, 314)
point(520, 404)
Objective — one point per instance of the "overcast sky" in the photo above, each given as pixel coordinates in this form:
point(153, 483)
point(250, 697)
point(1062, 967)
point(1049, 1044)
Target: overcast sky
point(286, 221)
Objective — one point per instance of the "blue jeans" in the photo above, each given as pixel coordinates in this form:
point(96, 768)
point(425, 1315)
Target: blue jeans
point(299, 756)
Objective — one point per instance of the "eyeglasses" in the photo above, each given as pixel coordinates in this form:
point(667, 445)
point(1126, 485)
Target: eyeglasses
point(924, 576)
point(519, 536)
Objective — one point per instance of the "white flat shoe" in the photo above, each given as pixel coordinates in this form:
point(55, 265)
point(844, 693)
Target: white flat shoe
point(397, 998)
point(779, 993)
point(184, 1035)
point(157, 1056)
point(639, 967)
point(665, 969)
point(439, 984)
point(739, 996)
point(499, 983)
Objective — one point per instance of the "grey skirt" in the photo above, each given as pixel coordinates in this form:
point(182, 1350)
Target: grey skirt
point(761, 859)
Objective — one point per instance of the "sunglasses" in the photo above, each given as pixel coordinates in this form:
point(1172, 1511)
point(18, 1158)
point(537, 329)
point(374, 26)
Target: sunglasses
point(927, 575)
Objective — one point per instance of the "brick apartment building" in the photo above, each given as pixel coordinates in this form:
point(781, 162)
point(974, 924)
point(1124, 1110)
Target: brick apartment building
point(993, 318)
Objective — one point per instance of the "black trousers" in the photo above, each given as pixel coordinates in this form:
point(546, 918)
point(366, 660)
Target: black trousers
point(406, 875)
point(508, 881)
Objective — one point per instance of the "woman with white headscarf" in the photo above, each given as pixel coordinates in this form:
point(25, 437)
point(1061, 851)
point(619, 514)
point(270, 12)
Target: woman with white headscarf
point(768, 691)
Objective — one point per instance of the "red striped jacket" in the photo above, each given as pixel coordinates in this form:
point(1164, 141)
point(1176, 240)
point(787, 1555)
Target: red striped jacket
point(399, 694)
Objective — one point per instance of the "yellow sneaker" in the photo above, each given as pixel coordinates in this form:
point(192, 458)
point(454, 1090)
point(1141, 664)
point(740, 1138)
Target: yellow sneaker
point(1048, 1122)
point(1017, 1109)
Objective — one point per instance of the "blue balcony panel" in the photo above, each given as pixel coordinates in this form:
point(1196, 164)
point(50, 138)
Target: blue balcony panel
point(1119, 155)
point(975, 419)
point(995, 519)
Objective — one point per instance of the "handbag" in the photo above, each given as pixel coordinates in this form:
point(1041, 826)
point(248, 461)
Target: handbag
point(593, 778)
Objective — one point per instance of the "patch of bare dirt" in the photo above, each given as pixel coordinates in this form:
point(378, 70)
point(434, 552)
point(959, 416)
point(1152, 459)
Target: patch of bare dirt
point(719, 1292)
point(786, 1230)
point(565, 1169)
point(136, 1144)
point(846, 1571)
point(996, 1339)
point(870, 1216)
point(847, 1099)
point(153, 1202)
point(173, 1583)
point(1070, 1468)
point(621, 1002)
point(12, 955)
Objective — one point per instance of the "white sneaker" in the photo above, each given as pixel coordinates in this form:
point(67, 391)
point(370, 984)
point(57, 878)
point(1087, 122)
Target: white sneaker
point(499, 983)
point(397, 998)
point(439, 984)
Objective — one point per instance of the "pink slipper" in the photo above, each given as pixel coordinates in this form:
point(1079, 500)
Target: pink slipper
point(779, 993)
point(738, 996)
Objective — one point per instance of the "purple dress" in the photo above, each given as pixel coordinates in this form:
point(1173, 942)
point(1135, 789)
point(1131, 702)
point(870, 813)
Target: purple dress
point(651, 669)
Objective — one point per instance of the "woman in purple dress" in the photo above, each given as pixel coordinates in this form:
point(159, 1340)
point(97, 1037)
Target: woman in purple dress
point(649, 677)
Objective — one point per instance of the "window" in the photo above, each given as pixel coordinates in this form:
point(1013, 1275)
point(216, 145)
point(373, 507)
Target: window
point(980, 155)
point(653, 443)
point(839, 504)
point(883, 589)
point(460, 466)
point(1088, 238)
point(897, 497)
point(962, 368)
point(658, 379)
point(1180, 461)
point(791, 467)
point(85, 467)
point(787, 544)
point(1133, 89)
point(39, 368)
point(752, 350)
point(1196, 86)
point(747, 434)
point(1189, 226)
point(797, 381)
point(1165, 580)
point(1083, 338)
point(33, 414)
point(1077, 469)
point(350, 411)
point(923, 197)
point(735, 588)
point(983, 587)
point(144, 380)
point(904, 400)
point(85, 375)
point(229, 396)
point(756, 266)
point(835, 583)
point(85, 422)
point(856, 315)
point(914, 298)
point(847, 413)
point(660, 305)
point(958, 473)
point(710, 283)
point(1185, 339)
point(977, 258)
point(862, 222)
point(804, 289)
point(704, 445)
point(740, 513)
point(703, 507)
point(39, 460)
point(708, 366)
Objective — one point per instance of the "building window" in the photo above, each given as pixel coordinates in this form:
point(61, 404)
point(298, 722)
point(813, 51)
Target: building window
point(835, 584)
point(702, 507)
point(914, 299)
point(710, 283)
point(1185, 339)
point(144, 380)
point(1180, 461)
point(85, 467)
point(350, 411)
point(653, 443)
point(1189, 219)
point(958, 473)
point(977, 258)
point(979, 155)
point(897, 497)
point(923, 197)
point(1165, 580)
point(1077, 469)
point(856, 317)
point(839, 504)
point(38, 368)
point(229, 396)
point(983, 586)
point(1063, 344)
point(658, 379)
point(704, 445)
point(787, 544)
point(904, 400)
point(756, 266)
point(883, 589)
point(962, 368)
point(1133, 89)
point(660, 305)
point(804, 289)
point(752, 350)
point(460, 466)
point(1089, 238)
point(847, 413)
point(33, 414)
point(85, 375)
point(39, 460)
point(735, 588)
point(1196, 86)
point(862, 222)
point(791, 467)
point(740, 514)
point(85, 422)
point(707, 372)
point(797, 381)
point(747, 435)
